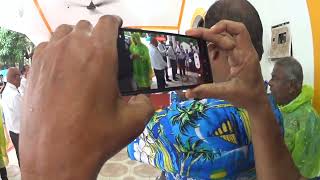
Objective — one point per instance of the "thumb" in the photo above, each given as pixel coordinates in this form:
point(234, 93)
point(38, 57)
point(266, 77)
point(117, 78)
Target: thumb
point(136, 114)
point(214, 90)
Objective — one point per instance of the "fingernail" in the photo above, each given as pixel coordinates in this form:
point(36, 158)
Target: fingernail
point(213, 27)
point(188, 31)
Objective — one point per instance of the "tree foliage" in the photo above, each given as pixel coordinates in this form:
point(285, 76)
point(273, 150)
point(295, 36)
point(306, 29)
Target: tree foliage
point(13, 47)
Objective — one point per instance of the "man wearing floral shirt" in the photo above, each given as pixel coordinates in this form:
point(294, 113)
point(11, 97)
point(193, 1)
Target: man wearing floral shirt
point(208, 138)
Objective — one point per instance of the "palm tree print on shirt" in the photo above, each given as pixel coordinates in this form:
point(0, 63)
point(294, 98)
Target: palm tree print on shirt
point(188, 116)
point(192, 152)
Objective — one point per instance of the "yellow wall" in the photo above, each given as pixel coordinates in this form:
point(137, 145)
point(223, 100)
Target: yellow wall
point(314, 11)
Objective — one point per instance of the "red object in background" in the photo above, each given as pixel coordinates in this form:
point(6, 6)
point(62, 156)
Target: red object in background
point(161, 38)
point(158, 100)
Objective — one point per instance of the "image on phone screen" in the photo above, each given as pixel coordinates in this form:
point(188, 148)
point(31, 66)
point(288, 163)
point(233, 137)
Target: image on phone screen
point(151, 62)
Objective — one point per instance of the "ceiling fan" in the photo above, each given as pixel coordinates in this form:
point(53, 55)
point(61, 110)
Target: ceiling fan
point(92, 7)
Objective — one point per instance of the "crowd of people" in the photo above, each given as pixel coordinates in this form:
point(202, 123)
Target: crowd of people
point(230, 129)
point(156, 58)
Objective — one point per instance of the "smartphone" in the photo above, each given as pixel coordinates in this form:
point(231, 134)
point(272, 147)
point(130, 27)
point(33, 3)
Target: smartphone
point(153, 62)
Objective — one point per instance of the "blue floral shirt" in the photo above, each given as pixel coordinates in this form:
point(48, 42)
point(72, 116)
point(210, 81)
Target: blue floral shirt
point(198, 139)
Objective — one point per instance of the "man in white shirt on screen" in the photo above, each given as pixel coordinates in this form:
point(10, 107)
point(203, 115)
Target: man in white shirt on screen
point(12, 102)
point(157, 63)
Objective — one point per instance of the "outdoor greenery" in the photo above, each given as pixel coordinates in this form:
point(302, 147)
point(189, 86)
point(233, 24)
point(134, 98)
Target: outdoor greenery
point(14, 47)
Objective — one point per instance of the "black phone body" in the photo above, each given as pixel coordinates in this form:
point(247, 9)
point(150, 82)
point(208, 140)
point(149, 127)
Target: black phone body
point(153, 62)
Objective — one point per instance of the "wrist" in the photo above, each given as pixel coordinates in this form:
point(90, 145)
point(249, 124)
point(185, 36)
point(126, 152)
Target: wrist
point(260, 105)
point(59, 166)
point(62, 172)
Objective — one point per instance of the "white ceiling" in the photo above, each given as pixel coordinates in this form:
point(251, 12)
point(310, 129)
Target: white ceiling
point(23, 15)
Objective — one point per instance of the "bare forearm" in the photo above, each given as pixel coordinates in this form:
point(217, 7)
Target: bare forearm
point(53, 163)
point(61, 175)
point(273, 161)
point(53, 172)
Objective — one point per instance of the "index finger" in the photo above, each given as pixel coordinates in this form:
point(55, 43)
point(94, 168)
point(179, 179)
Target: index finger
point(231, 27)
point(106, 30)
point(38, 50)
point(214, 90)
point(221, 40)
point(105, 35)
point(236, 29)
point(218, 33)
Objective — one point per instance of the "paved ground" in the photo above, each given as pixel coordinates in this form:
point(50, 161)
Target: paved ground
point(119, 167)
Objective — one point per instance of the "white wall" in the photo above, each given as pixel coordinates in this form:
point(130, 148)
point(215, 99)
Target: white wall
point(190, 8)
point(273, 12)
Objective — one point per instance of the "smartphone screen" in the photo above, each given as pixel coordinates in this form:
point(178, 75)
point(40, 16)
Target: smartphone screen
point(151, 62)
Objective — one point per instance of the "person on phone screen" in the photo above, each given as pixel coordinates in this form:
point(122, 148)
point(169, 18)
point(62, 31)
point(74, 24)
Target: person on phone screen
point(157, 63)
point(173, 61)
point(163, 50)
point(181, 60)
point(142, 71)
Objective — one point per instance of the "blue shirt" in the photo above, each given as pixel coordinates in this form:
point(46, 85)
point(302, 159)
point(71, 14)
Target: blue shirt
point(198, 139)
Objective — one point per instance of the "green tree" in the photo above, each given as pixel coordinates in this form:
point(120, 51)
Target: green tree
point(13, 47)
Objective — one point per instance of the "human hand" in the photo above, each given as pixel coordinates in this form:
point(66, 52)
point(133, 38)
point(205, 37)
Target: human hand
point(245, 88)
point(245, 85)
point(135, 56)
point(73, 117)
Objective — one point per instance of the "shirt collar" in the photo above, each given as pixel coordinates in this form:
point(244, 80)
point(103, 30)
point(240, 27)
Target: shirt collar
point(152, 45)
point(305, 96)
point(11, 86)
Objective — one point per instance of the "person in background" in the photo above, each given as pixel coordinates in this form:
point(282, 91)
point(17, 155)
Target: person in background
point(181, 60)
point(191, 63)
point(125, 74)
point(142, 71)
point(163, 51)
point(173, 61)
point(301, 121)
point(23, 83)
point(1, 80)
point(12, 104)
point(2, 83)
point(3, 150)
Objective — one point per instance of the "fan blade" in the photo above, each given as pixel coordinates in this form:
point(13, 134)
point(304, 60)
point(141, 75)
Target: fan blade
point(106, 2)
point(75, 4)
point(95, 12)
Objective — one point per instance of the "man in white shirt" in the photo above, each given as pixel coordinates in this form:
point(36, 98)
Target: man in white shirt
point(157, 63)
point(12, 102)
point(23, 83)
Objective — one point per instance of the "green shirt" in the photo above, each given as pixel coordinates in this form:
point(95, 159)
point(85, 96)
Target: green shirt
point(302, 132)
